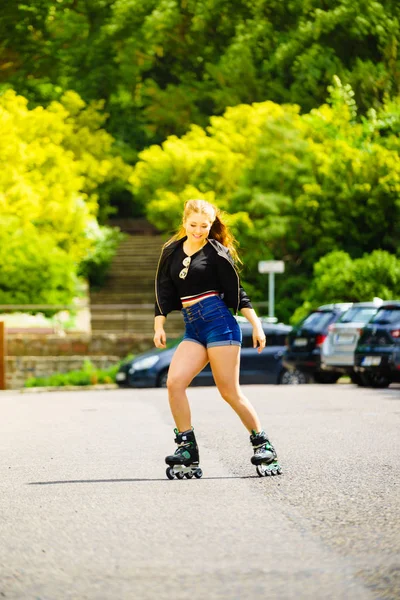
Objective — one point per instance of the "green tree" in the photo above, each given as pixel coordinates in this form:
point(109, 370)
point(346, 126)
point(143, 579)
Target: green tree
point(296, 186)
point(53, 161)
point(338, 278)
point(162, 65)
point(33, 268)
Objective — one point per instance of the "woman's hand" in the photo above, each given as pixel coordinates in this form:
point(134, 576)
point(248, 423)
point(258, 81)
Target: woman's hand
point(160, 339)
point(258, 338)
point(258, 332)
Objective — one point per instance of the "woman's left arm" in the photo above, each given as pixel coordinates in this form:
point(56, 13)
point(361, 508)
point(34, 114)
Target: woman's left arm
point(258, 332)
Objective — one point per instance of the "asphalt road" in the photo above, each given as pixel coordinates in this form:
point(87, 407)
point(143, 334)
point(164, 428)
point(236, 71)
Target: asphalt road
point(86, 511)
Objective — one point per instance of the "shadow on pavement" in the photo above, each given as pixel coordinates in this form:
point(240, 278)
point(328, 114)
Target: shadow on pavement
point(131, 480)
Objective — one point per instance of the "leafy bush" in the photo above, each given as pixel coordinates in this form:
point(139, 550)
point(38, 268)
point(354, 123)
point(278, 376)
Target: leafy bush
point(338, 278)
point(88, 375)
point(33, 268)
point(54, 162)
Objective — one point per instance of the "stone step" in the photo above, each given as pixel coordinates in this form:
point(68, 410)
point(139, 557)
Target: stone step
point(148, 255)
point(127, 296)
point(143, 241)
point(137, 279)
point(153, 249)
point(130, 281)
point(134, 258)
point(133, 296)
point(134, 266)
point(128, 285)
point(138, 226)
point(143, 323)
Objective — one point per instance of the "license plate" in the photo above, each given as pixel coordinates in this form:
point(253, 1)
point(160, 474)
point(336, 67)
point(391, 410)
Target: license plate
point(300, 342)
point(371, 361)
point(344, 339)
point(120, 377)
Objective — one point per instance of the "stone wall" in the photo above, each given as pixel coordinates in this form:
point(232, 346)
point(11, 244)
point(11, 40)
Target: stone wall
point(30, 355)
point(81, 344)
point(21, 368)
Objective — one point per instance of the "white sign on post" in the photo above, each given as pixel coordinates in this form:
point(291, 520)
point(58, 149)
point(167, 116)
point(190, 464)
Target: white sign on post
point(271, 266)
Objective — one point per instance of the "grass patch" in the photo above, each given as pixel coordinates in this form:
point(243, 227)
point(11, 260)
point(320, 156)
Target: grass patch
point(88, 375)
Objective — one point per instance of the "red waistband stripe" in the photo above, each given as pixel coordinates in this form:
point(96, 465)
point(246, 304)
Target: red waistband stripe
point(200, 296)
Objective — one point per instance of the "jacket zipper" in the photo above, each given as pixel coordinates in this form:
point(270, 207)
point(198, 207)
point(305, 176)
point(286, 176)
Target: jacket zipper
point(156, 283)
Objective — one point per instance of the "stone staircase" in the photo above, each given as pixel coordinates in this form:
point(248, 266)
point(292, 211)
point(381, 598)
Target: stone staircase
point(126, 301)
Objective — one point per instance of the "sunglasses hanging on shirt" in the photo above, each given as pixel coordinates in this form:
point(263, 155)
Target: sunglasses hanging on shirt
point(186, 263)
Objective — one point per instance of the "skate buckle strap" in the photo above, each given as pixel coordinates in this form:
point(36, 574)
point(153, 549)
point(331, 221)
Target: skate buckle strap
point(183, 441)
point(265, 445)
point(183, 436)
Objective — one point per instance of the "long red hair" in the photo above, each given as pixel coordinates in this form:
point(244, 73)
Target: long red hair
point(219, 229)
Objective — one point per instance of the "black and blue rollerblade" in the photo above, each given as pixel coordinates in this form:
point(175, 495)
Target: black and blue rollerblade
point(265, 458)
point(185, 461)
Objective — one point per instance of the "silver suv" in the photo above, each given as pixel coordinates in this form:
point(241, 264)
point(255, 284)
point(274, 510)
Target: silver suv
point(337, 352)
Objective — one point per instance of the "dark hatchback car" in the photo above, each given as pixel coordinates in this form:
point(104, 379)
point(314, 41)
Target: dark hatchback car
point(377, 355)
point(151, 368)
point(303, 352)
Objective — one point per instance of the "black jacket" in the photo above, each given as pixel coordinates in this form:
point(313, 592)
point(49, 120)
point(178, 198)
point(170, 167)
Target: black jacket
point(232, 293)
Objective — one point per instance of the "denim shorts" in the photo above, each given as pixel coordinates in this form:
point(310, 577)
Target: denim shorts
point(210, 323)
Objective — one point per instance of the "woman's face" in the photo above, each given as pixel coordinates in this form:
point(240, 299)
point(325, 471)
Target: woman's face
point(197, 227)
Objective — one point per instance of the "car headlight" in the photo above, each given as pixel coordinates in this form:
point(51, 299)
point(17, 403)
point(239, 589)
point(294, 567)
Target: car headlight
point(144, 363)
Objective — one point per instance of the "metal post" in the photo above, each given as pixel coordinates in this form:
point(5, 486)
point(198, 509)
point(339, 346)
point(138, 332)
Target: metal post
point(271, 294)
point(2, 356)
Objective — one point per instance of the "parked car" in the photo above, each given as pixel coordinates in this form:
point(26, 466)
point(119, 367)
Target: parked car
point(377, 355)
point(337, 352)
point(151, 368)
point(303, 352)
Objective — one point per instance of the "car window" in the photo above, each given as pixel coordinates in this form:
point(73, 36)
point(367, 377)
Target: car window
point(317, 320)
point(359, 314)
point(386, 316)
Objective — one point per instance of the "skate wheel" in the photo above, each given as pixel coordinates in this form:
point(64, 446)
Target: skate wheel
point(170, 473)
point(260, 471)
point(188, 475)
point(198, 473)
point(179, 475)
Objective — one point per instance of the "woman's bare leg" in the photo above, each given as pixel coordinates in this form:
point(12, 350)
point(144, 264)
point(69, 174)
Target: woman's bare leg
point(225, 362)
point(189, 359)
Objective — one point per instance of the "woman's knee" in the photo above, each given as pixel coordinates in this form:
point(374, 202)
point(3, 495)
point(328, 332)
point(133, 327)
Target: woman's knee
point(176, 384)
point(230, 395)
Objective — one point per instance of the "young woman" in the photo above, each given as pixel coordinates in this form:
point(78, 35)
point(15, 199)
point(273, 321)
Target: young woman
point(196, 274)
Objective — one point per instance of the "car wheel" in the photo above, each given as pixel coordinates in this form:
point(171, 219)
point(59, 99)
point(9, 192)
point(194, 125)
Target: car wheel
point(294, 377)
point(375, 380)
point(162, 379)
point(326, 377)
point(356, 379)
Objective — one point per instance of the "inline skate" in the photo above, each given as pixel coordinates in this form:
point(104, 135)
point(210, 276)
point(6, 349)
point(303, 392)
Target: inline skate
point(185, 461)
point(265, 458)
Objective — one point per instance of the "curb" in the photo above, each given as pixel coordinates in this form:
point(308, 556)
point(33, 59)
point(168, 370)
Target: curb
point(64, 388)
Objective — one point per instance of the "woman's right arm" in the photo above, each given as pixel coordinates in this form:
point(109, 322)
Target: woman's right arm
point(160, 338)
